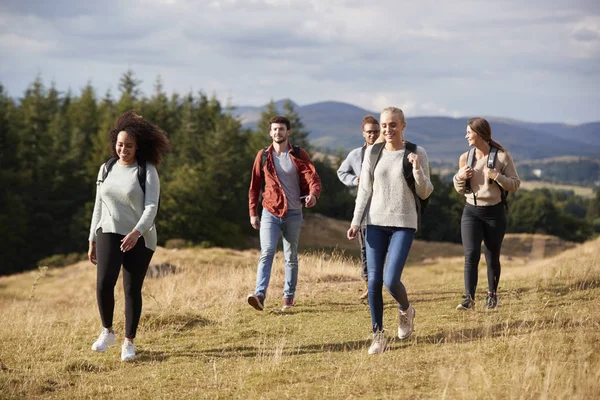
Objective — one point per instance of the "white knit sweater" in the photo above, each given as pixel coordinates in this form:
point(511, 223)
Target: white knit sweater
point(121, 205)
point(385, 199)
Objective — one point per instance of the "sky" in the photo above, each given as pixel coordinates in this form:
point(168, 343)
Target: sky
point(535, 60)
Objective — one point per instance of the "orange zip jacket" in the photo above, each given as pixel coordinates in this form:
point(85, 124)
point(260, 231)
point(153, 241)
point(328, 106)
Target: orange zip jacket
point(274, 200)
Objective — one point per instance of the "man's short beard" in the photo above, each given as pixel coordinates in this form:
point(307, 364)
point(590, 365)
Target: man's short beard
point(279, 141)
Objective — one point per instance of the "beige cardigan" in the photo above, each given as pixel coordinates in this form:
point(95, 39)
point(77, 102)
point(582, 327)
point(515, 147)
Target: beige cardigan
point(488, 194)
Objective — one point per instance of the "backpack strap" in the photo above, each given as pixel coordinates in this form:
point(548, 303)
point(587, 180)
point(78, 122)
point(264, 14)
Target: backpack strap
point(471, 163)
point(107, 167)
point(492, 156)
point(142, 175)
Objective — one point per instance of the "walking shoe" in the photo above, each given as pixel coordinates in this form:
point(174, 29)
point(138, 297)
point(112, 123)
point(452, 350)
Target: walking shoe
point(288, 302)
point(257, 301)
point(365, 294)
point(491, 301)
point(467, 304)
point(106, 338)
point(127, 351)
point(378, 345)
point(406, 322)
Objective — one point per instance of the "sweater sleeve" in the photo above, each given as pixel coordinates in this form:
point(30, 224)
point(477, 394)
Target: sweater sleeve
point(508, 177)
point(365, 189)
point(423, 185)
point(346, 173)
point(97, 214)
point(151, 197)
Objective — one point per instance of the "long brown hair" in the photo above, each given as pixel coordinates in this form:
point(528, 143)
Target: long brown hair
point(481, 127)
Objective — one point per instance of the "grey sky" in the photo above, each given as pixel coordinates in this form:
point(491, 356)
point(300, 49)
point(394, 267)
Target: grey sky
point(530, 60)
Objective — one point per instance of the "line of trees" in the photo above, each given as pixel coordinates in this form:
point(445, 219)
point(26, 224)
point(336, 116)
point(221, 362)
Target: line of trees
point(52, 144)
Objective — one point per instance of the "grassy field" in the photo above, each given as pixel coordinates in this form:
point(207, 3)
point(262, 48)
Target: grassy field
point(198, 338)
point(582, 191)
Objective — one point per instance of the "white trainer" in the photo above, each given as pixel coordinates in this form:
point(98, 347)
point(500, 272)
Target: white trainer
point(106, 338)
point(127, 351)
point(378, 345)
point(406, 322)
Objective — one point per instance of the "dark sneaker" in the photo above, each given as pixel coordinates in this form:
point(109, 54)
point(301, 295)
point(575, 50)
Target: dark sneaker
point(491, 301)
point(288, 302)
point(257, 301)
point(467, 304)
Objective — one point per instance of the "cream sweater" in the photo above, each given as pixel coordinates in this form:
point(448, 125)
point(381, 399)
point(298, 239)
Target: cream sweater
point(385, 199)
point(121, 205)
point(488, 194)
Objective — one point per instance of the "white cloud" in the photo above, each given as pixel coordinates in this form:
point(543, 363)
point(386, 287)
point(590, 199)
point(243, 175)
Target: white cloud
point(511, 58)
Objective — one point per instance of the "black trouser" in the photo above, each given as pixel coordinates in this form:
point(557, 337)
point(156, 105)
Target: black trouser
point(487, 223)
point(362, 234)
point(135, 264)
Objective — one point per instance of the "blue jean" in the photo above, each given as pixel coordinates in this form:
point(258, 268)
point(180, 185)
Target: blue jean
point(271, 229)
point(387, 251)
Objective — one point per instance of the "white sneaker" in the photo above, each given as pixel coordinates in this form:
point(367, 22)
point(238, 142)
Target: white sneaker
point(106, 338)
point(378, 345)
point(406, 322)
point(127, 351)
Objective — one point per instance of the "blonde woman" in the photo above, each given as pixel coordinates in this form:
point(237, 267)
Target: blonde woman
point(391, 179)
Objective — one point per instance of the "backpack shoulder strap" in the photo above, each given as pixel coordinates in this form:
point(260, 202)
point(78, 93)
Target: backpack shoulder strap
point(407, 166)
point(374, 157)
point(295, 151)
point(107, 167)
point(142, 175)
point(471, 156)
point(491, 162)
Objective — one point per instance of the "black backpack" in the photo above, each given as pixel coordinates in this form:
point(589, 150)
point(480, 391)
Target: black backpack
point(408, 175)
point(141, 174)
point(491, 162)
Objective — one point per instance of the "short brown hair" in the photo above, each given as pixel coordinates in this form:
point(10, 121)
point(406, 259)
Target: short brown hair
point(369, 119)
point(280, 120)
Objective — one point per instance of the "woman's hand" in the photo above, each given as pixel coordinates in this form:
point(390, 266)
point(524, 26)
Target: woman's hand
point(465, 173)
point(129, 241)
point(92, 253)
point(490, 173)
point(352, 232)
point(415, 160)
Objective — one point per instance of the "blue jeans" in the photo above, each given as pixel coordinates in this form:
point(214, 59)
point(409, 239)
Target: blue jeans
point(271, 229)
point(394, 243)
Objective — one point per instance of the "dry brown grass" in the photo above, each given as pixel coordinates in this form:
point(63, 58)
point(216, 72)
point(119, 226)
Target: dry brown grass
point(199, 339)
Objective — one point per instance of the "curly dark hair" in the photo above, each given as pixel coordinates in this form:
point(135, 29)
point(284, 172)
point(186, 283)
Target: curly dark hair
point(152, 142)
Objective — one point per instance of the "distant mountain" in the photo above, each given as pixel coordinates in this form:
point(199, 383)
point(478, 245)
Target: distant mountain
point(336, 125)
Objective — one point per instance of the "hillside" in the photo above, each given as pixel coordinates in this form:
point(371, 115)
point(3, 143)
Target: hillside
point(199, 339)
point(337, 125)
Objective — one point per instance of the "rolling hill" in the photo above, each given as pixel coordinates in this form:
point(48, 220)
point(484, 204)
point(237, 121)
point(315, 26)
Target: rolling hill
point(336, 125)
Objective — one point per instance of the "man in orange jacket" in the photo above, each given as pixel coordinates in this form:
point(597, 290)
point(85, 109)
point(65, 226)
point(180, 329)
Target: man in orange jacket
point(288, 179)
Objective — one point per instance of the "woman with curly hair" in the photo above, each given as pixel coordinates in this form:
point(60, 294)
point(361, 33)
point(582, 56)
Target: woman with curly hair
point(122, 230)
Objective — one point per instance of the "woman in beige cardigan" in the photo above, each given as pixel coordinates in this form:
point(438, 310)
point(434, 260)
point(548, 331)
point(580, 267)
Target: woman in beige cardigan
point(484, 215)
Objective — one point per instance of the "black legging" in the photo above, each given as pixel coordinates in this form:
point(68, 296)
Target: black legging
point(487, 223)
point(135, 264)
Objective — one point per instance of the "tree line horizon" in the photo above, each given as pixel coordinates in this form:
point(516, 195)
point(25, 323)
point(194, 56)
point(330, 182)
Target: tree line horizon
point(53, 143)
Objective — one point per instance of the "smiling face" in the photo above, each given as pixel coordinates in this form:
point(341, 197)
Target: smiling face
point(279, 132)
point(472, 137)
point(370, 133)
point(125, 148)
point(392, 128)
